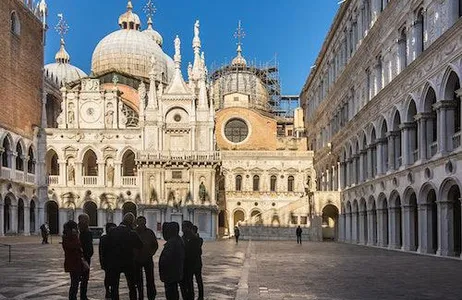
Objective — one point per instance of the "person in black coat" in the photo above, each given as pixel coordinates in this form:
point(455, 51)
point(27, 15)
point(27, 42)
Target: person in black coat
point(103, 258)
point(198, 267)
point(192, 260)
point(86, 240)
point(171, 261)
point(298, 232)
point(122, 242)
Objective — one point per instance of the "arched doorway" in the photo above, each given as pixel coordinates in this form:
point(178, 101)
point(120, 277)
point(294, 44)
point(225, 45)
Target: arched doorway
point(372, 214)
point(52, 216)
point(363, 217)
point(431, 199)
point(91, 209)
point(32, 216)
point(454, 199)
point(128, 164)
point(238, 217)
point(383, 230)
point(413, 220)
point(7, 215)
point(355, 222)
point(20, 216)
point(129, 207)
point(330, 222)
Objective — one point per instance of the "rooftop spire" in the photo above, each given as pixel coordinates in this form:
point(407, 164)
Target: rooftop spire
point(239, 35)
point(62, 28)
point(150, 10)
point(177, 85)
point(129, 5)
point(129, 20)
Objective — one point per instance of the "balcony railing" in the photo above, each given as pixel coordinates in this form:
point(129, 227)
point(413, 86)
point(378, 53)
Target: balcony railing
point(129, 181)
point(19, 175)
point(30, 178)
point(6, 173)
point(180, 156)
point(90, 180)
point(456, 140)
point(53, 179)
point(433, 149)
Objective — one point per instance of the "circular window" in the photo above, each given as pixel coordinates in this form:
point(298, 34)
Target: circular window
point(236, 130)
point(177, 118)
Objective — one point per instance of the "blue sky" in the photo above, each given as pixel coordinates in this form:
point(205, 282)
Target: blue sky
point(291, 30)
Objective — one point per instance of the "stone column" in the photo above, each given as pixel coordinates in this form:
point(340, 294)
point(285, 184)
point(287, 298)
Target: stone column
point(380, 165)
point(78, 174)
point(26, 220)
point(118, 216)
point(382, 228)
point(370, 228)
point(422, 138)
point(354, 227)
point(62, 217)
point(391, 151)
point(392, 228)
point(348, 231)
point(341, 229)
point(425, 228)
point(406, 153)
point(362, 158)
point(101, 217)
point(342, 176)
point(409, 228)
point(78, 212)
point(370, 166)
point(348, 172)
point(14, 218)
point(445, 229)
point(118, 174)
point(62, 180)
point(362, 228)
point(445, 119)
point(102, 180)
point(2, 230)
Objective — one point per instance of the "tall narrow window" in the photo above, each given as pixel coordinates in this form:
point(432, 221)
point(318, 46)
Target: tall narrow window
point(14, 23)
point(273, 183)
point(402, 50)
point(256, 183)
point(420, 33)
point(19, 158)
point(238, 183)
point(290, 183)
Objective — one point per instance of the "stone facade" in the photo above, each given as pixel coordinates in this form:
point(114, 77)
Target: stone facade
point(21, 133)
point(383, 117)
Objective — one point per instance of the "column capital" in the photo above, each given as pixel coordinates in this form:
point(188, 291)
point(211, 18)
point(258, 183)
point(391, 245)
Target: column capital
point(424, 116)
point(407, 125)
point(445, 104)
point(459, 93)
point(381, 141)
point(391, 134)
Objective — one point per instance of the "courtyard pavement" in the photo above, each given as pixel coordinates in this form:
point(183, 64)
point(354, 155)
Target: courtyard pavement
point(254, 270)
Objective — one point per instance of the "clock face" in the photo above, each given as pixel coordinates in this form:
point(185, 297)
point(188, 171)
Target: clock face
point(90, 112)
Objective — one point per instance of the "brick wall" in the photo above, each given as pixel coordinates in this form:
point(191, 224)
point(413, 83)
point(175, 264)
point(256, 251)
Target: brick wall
point(21, 62)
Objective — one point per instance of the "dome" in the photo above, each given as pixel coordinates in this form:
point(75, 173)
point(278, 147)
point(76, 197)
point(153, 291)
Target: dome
point(131, 51)
point(239, 60)
point(62, 71)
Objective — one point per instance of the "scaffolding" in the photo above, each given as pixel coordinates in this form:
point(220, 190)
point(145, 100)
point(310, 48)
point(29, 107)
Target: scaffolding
point(229, 78)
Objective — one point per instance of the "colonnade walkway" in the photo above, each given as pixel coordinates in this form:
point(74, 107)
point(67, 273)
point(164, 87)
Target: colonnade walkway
point(256, 270)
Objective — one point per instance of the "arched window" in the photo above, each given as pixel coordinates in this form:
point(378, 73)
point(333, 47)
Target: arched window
point(52, 163)
point(14, 23)
point(90, 167)
point(273, 181)
point(420, 32)
point(128, 164)
point(238, 183)
point(402, 50)
point(6, 153)
point(256, 183)
point(19, 158)
point(290, 183)
point(31, 162)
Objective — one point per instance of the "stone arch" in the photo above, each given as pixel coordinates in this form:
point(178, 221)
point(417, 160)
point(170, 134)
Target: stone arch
point(238, 216)
point(91, 209)
point(129, 206)
point(411, 218)
point(52, 216)
point(396, 218)
point(363, 226)
point(32, 160)
point(330, 215)
point(372, 213)
point(450, 87)
point(128, 163)
point(450, 210)
point(7, 144)
point(256, 216)
point(32, 214)
point(355, 221)
point(90, 163)
point(20, 215)
point(9, 201)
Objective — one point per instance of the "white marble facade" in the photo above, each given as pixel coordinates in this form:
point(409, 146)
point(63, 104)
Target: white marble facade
point(388, 138)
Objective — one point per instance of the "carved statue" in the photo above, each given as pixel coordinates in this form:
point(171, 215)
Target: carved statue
point(110, 175)
point(202, 192)
point(70, 114)
point(109, 119)
point(196, 28)
point(71, 173)
point(177, 45)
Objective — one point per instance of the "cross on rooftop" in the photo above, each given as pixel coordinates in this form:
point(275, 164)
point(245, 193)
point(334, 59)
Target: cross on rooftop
point(239, 34)
point(62, 27)
point(150, 9)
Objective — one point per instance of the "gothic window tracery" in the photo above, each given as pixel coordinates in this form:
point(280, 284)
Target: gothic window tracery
point(131, 116)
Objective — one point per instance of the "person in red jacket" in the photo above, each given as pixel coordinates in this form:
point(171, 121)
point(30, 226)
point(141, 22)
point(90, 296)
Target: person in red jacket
point(73, 256)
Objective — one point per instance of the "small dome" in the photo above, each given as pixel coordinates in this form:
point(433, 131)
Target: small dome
point(239, 60)
point(154, 34)
point(62, 70)
point(129, 20)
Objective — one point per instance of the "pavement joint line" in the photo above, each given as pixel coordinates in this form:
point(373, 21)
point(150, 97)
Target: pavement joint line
point(243, 286)
point(47, 288)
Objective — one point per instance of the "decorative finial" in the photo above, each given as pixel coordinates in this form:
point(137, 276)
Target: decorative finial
point(197, 40)
point(62, 27)
point(129, 5)
point(239, 35)
point(115, 80)
point(150, 9)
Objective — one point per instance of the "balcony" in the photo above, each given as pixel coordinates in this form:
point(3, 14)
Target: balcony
point(30, 178)
point(19, 175)
point(456, 140)
point(202, 156)
point(53, 179)
point(415, 155)
point(90, 180)
point(6, 173)
point(129, 181)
